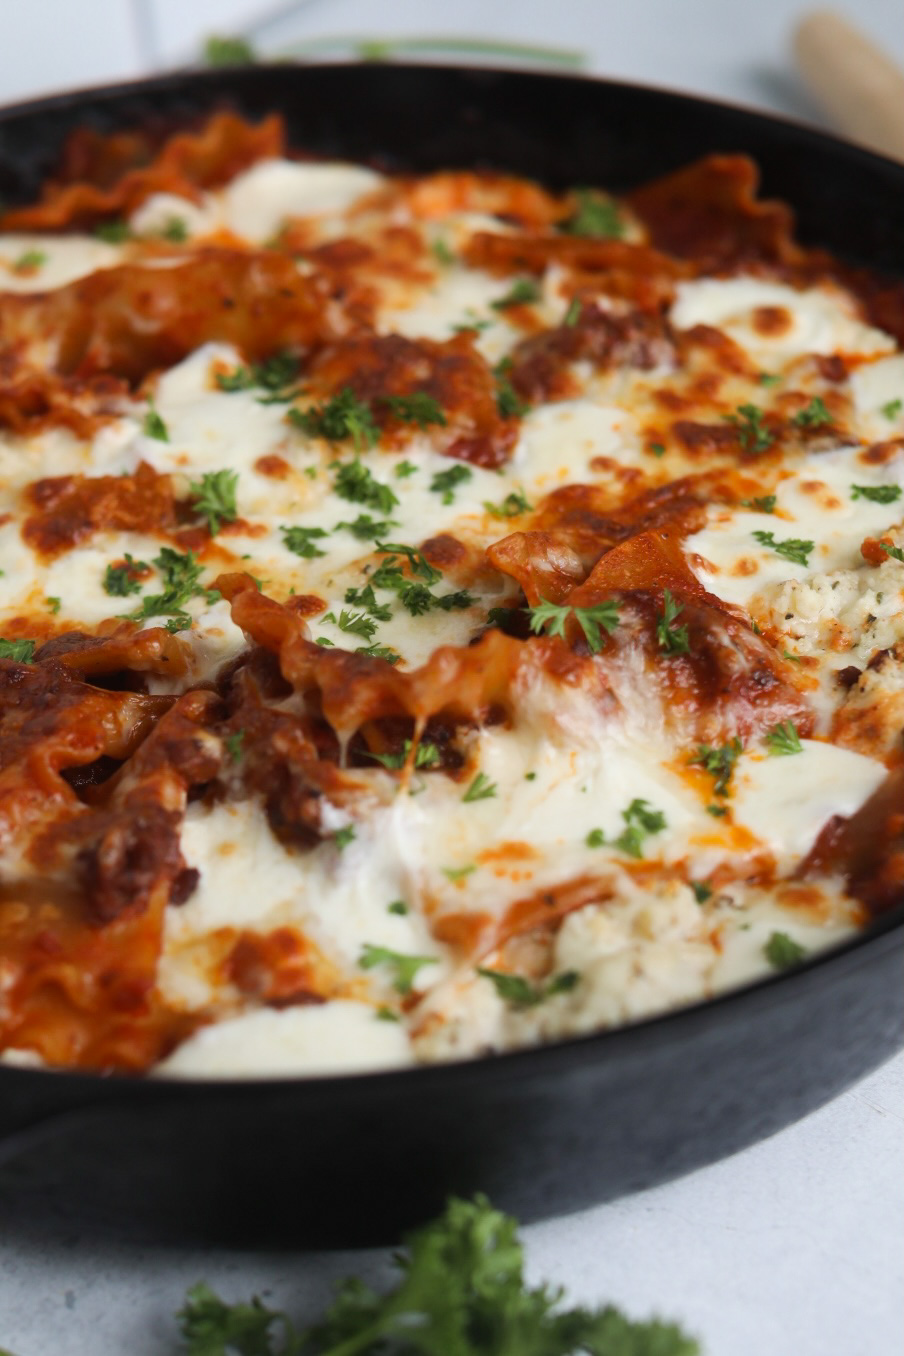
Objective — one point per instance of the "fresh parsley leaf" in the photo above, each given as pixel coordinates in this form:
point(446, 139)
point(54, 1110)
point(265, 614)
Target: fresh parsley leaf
point(113, 232)
point(813, 415)
point(366, 528)
point(417, 408)
point(782, 952)
point(53, 604)
point(441, 251)
point(892, 408)
point(417, 561)
point(211, 1328)
point(153, 426)
point(508, 402)
point(406, 967)
point(521, 292)
point(180, 583)
point(300, 541)
point(764, 504)
point(353, 623)
point(768, 378)
point(19, 651)
point(343, 416)
point(595, 838)
point(671, 638)
point(455, 873)
point(894, 551)
point(277, 374)
point(793, 548)
point(879, 494)
point(445, 483)
point(405, 469)
point(596, 216)
point(427, 755)
point(702, 891)
point(379, 652)
point(175, 230)
point(520, 993)
point(30, 260)
point(573, 314)
point(234, 744)
point(658, 449)
point(784, 739)
point(342, 837)
point(719, 762)
point(214, 498)
point(752, 433)
point(590, 619)
point(641, 821)
point(366, 598)
point(397, 906)
point(120, 580)
point(355, 483)
point(480, 789)
point(512, 506)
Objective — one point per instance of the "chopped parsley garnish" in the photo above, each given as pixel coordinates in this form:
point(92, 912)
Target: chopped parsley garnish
point(590, 620)
point(658, 449)
point(752, 433)
point(813, 415)
point(512, 506)
point(277, 374)
point(300, 541)
point(379, 652)
point(521, 292)
point(417, 562)
point(764, 503)
point(480, 789)
point(366, 598)
point(153, 425)
point(397, 906)
point(343, 416)
point(596, 216)
point(180, 583)
point(573, 314)
point(793, 548)
point(120, 580)
point(235, 745)
point(31, 259)
point(782, 952)
point(355, 483)
point(459, 1290)
point(784, 739)
point(445, 483)
point(892, 408)
point(521, 993)
point(53, 604)
point(894, 551)
point(879, 494)
point(20, 651)
point(671, 638)
point(405, 469)
point(455, 873)
point(353, 623)
point(113, 232)
point(595, 838)
point(175, 230)
point(342, 837)
point(406, 967)
point(384, 1014)
point(768, 378)
point(417, 408)
point(702, 891)
point(508, 402)
point(719, 762)
point(415, 597)
point(794, 658)
point(441, 252)
point(366, 528)
point(641, 821)
point(427, 755)
point(213, 498)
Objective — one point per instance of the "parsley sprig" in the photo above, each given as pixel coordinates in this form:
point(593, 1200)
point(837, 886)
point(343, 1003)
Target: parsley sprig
point(879, 494)
point(343, 416)
point(416, 408)
point(814, 415)
point(414, 595)
point(792, 548)
point(520, 993)
point(753, 434)
point(300, 541)
point(596, 216)
point(784, 740)
point(19, 651)
point(671, 638)
point(426, 755)
point(460, 1291)
point(592, 620)
point(214, 498)
point(641, 821)
point(481, 788)
point(521, 293)
point(782, 952)
point(355, 482)
point(180, 574)
point(278, 375)
point(405, 967)
point(121, 580)
point(512, 506)
point(445, 483)
point(719, 761)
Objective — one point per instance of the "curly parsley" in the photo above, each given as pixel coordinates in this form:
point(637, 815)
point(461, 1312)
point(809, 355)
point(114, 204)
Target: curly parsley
point(592, 620)
point(214, 498)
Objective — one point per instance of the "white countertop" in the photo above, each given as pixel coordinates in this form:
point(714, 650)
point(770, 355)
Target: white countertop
point(794, 1247)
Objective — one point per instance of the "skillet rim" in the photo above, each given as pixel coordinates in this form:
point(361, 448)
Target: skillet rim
point(878, 937)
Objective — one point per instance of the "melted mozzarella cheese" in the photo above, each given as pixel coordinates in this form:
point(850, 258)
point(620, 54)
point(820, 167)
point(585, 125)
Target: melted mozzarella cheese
point(819, 319)
point(59, 259)
point(257, 203)
point(341, 1037)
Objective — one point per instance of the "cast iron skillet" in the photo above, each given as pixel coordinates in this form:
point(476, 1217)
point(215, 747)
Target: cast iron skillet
point(355, 1159)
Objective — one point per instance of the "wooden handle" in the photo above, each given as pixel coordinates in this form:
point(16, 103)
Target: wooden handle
point(861, 89)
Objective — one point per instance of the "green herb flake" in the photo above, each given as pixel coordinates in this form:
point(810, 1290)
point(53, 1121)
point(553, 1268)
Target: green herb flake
point(343, 416)
point(719, 762)
point(300, 541)
point(480, 789)
point(512, 506)
point(793, 548)
point(445, 483)
point(595, 838)
point(355, 483)
point(763, 504)
point(784, 740)
point(769, 378)
point(19, 651)
point(53, 605)
point(153, 426)
point(879, 494)
point(353, 623)
point(385, 1014)
point(397, 906)
point(121, 580)
point(441, 252)
point(113, 232)
point(405, 469)
point(671, 638)
point(456, 873)
point(894, 552)
point(753, 435)
point(175, 230)
point(892, 408)
point(521, 993)
point(592, 620)
point(508, 402)
point(573, 314)
point(214, 498)
point(782, 952)
point(658, 449)
point(234, 744)
point(521, 293)
point(702, 891)
point(596, 216)
point(814, 415)
point(367, 528)
point(30, 261)
point(427, 755)
point(342, 837)
point(417, 408)
point(641, 822)
point(180, 574)
point(405, 967)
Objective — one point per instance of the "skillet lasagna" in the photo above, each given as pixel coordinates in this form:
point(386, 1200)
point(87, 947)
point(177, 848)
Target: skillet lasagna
point(438, 614)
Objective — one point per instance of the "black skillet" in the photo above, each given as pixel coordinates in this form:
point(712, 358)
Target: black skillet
point(354, 1159)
